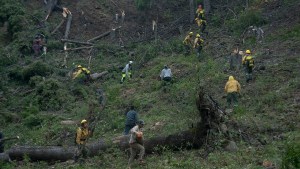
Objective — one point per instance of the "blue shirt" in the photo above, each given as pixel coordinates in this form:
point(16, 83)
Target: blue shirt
point(131, 118)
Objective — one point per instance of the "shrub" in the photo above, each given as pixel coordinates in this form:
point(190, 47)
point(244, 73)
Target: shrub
point(291, 159)
point(37, 68)
point(142, 4)
point(33, 121)
point(247, 18)
point(50, 95)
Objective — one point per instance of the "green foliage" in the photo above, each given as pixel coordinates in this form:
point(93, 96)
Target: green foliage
point(143, 4)
point(35, 80)
point(37, 68)
point(33, 121)
point(13, 13)
point(291, 159)
point(50, 95)
point(246, 18)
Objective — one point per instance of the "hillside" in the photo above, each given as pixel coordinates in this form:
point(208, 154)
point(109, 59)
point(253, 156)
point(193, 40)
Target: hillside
point(36, 94)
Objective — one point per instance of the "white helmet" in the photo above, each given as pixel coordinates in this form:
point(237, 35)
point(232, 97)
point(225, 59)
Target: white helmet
point(130, 62)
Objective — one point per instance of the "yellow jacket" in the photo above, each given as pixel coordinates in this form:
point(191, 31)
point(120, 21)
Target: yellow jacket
point(198, 42)
point(82, 135)
point(188, 40)
point(200, 14)
point(79, 71)
point(232, 85)
point(248, 58)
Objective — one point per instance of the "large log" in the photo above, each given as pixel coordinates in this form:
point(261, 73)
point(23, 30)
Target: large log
point(52, 153)
point(104, 34)
point(95, 76)
point(210, 114)
point(75, 41)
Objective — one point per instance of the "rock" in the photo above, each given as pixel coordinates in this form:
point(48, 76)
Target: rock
point(224, 128)
point(231, 147)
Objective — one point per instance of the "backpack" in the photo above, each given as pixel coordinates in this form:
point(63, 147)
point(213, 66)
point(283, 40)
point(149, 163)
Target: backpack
point(249, 62)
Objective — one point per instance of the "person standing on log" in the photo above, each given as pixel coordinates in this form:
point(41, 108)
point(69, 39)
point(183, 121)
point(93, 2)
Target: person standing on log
point(131, 120)
point(248, 63)
point(126, 72)
point(82, 135)
point(136, 143)
point(232, 88)
point(188, 43)
point(200, 19)
point(79, 70)
point(198, 44)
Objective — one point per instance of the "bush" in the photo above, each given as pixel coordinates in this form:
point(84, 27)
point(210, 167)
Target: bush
point(37, 68)
point(291, 159)
point(247, 18)
point(142, 4)
point(33, 121)
point(50, 95)
point(35, 80)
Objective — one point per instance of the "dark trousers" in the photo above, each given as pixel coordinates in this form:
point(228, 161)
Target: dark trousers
point(232, 99)
point(81, 153)
point(248, 71)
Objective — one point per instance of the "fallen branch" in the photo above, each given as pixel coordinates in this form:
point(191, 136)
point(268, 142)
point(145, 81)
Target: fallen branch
point(75, 41)
point(58, 26)
point(95, 76)
point(79, 48)
point(104, 34)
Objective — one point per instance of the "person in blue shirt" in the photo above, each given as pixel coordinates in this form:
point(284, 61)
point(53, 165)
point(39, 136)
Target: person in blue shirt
point(131, 120)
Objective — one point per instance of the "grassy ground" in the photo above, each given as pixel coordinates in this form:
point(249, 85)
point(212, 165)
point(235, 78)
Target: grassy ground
point(268, 112)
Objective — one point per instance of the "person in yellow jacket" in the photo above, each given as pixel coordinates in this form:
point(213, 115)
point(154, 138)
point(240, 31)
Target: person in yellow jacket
point(198, 44)
point(82, 134)
point(188, 43)
point(248, 63)
point(79, 70)
point(200, 19)
point(232, 88)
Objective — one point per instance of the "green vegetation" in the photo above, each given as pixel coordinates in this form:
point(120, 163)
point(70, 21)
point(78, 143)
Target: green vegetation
point(37, 94)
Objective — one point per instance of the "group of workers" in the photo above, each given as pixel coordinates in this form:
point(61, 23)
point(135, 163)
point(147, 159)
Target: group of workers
point(233, 87)
point(133, 126)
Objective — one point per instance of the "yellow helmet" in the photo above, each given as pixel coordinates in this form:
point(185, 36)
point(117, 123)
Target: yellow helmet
point(198, 35)
point(191, 33)
point(79, 66)
point(83, 121)
point(231, 78)
point(248, 51)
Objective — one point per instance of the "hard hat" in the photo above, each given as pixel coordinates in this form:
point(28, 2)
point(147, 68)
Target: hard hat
point(198, 35)
point(231, 78)
point(83, 121)
point(141, 122)
point(79, 66)
point(248, 51)
point(191, 33)
point(130, 62)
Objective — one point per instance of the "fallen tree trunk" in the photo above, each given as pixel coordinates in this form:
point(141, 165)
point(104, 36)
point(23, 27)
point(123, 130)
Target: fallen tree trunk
point(68, 26)
point(58, 26)
point(79, 48)
point(95, 76)
point(104, 34)
point(4, 157)
point(75, 41)
point(52, 153)
point(209, 111)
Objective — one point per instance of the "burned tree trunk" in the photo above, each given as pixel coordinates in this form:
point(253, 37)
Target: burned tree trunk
point(209, 111)
point(50, 6)
point(52, 153)
point(192, 12)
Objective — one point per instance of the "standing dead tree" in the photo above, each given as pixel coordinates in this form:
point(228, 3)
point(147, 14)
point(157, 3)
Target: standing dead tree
point(68, 14)
point(51, 4)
